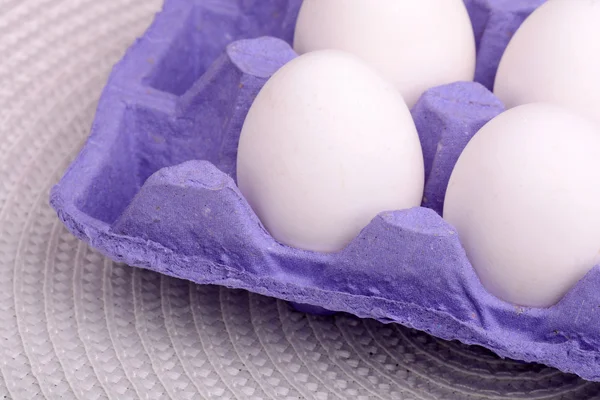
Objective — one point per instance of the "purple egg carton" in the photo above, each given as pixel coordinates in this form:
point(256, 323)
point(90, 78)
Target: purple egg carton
point(154, 187)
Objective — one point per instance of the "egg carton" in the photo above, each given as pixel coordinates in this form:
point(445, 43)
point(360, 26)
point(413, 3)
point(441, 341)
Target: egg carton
point(154, 187)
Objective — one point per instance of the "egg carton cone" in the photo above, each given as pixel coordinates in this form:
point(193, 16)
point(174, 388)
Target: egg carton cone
point(154, 187)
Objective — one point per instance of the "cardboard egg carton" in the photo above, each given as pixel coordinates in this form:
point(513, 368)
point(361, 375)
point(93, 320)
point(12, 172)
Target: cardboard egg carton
point(154, 187)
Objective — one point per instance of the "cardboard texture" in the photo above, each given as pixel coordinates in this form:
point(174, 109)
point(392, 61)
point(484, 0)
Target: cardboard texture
point(154, 187)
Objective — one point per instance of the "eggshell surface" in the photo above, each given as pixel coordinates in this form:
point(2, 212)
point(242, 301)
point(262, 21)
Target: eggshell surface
point(524, 200)
point(326, 146)
point(555, 57)
point(416, 44)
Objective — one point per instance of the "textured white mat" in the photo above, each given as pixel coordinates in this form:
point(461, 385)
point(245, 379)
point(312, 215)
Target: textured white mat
point(75, 325)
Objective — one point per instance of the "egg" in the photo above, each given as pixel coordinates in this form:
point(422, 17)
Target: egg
point(555, 57)
point(326, 146)
point(524, 198)
point(416, 44)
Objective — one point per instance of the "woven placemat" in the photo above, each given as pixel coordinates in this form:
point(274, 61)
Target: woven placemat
point(76, 325)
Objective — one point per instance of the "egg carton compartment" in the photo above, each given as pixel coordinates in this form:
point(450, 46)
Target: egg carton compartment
point(494, 24)
point(154, 187)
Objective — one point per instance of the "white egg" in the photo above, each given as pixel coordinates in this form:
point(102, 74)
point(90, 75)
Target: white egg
point(555, 57)
point(524, 198)
point(326, 146)
point(416, 44)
